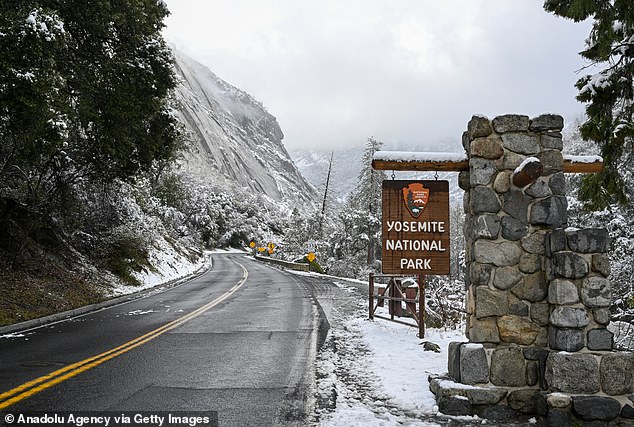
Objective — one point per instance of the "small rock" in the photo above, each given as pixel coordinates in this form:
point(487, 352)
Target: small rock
point(479, 127)
point(569, 317)
point(559, 400)
point(628, 412)
point(474, 367)
point(617, 373)
point(521, 143)
point(573, 373)
point(528, 401)
point(483, 199)
point(596, 292)
point(430, 346)
point(488, 148)
point(600, 339)
point(572, 266)
point(508, 367)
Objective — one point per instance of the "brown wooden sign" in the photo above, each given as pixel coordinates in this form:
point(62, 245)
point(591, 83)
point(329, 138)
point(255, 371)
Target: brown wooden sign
point(416, 227)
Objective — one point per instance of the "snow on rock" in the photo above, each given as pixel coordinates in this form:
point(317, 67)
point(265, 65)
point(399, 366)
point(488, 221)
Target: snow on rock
point(623, 335)
point(526, 162)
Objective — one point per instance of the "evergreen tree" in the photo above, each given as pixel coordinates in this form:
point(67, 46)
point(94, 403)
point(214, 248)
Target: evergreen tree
point(364, 203)
point(609, 93)
point(83, 95)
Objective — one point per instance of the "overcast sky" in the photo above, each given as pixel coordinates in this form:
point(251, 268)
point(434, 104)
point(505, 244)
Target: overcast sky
point(408, 72)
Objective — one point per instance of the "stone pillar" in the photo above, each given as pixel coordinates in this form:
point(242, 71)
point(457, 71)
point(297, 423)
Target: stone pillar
point(579, 291)
point(506, 226)
point(538, 296)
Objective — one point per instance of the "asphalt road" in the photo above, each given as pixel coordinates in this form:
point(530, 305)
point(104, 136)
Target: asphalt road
point(240, 340)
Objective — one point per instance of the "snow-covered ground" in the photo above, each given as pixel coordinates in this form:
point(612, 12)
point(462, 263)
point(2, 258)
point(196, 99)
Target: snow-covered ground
point(374, 373)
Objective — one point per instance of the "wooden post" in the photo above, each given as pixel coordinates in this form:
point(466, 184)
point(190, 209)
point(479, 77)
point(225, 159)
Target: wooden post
point(530, 171)
point(396, 293)
point(371, 297)
point(388, 292)
point(410, 294)
point(421, 306)
point(380, 301)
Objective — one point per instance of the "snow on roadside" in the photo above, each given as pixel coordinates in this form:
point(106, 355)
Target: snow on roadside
point(401, 363)
point(169, 263)
point(374, 373)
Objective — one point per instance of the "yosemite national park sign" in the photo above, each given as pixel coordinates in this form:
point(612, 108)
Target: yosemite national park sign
point(415, 227)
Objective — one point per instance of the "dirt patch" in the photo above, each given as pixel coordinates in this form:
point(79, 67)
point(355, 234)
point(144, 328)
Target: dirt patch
point(40, 288)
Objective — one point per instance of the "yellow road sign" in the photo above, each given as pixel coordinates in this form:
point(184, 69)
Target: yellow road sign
point(311, 256)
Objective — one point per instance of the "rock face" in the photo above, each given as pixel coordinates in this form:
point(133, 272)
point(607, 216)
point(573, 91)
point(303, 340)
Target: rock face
point(235, 142)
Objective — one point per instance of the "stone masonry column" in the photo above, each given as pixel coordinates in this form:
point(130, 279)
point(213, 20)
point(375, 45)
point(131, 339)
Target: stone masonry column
point(538, 295)
point(506, 227)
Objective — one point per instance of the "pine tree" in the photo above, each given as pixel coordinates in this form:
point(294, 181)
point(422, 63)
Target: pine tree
point(84, 109)
point(84, 94)
point(609, 93)
point(365, 200)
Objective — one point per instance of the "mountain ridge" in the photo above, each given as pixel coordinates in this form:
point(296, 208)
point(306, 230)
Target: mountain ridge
point(235, 141)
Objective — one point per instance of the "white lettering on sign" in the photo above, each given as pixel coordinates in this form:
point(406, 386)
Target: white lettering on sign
point(416, 226)
point(414, 245)
point(415, 264)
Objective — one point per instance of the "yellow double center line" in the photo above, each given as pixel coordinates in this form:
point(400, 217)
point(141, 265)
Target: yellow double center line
point(42, 383)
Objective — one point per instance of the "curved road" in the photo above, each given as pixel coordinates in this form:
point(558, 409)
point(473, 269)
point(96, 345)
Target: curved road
point(240, 340)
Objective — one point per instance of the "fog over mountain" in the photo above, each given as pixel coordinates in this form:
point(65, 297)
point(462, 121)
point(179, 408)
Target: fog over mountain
point(236, 142)
point(346, 166)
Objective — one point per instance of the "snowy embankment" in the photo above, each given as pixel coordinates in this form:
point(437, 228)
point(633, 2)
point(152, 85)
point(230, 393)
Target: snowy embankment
point(169, 263)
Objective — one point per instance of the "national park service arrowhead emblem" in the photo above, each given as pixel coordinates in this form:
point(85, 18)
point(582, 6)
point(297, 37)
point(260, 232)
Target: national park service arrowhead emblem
point(415, 196)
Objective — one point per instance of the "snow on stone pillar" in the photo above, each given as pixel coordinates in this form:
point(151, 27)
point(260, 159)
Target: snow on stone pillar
point(506, 225)
point(538, 296)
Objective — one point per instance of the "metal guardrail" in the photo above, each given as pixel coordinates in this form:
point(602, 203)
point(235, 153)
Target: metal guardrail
point(286, 264)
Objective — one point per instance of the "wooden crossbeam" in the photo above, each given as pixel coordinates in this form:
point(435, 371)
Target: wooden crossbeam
point(595, 166)
point(572, 164)
point(421, 165)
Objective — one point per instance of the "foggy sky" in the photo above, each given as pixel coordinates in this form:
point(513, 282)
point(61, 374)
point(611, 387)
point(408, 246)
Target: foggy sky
point(408, 72)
